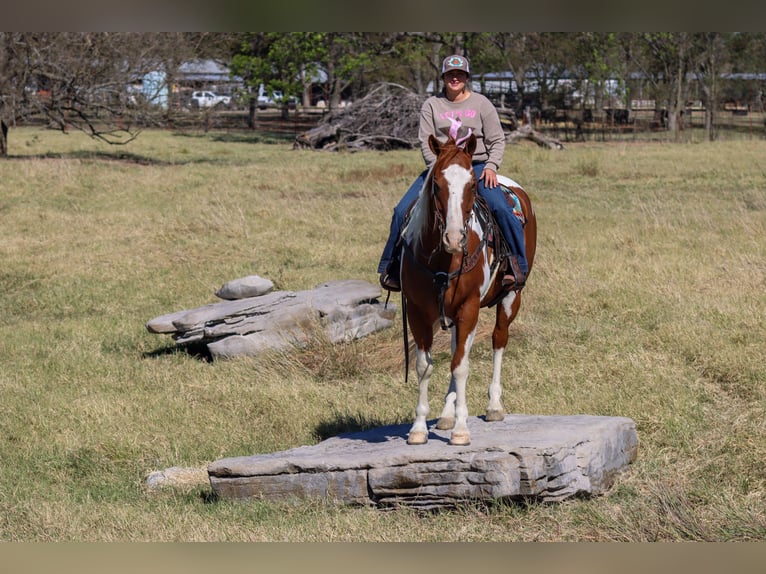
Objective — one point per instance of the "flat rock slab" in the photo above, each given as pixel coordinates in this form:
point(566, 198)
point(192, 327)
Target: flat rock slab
point(270, 320)
point(548, 458)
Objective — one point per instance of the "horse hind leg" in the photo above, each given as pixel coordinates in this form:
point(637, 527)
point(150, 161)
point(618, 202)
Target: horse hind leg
point(495, 411)
point(447, 417)
point(506, 311)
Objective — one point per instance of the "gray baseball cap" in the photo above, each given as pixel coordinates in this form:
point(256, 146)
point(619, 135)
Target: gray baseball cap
point(455, 62)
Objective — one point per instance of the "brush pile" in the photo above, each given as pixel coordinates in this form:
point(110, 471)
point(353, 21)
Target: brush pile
point(386, 118)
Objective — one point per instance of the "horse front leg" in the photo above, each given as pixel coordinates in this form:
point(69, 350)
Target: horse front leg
point(463, 335)
point(447, 417)
point(506, 312)
point(424, 368)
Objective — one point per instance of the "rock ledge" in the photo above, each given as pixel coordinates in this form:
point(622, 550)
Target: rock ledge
point(547, 458)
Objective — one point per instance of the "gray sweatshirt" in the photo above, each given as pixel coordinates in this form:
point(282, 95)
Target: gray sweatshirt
point(438, 115)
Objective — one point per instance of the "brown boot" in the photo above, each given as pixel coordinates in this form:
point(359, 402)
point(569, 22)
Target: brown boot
point(390, 281)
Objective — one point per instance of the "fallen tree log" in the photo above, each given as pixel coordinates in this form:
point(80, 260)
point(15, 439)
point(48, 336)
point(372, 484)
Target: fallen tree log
point(525, 132)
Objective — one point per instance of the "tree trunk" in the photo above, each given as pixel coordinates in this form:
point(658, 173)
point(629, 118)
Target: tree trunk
point(3, 139)
point(675, 112)
point(335, 95)
point(712, 100)
point(527, 132)
point(251, 113)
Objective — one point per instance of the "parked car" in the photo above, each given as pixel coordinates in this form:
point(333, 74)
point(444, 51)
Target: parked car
point(266, 100)
point(205, 99)
point(275, 98)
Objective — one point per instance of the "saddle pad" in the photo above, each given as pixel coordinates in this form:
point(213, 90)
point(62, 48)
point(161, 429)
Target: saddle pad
point(514, 202)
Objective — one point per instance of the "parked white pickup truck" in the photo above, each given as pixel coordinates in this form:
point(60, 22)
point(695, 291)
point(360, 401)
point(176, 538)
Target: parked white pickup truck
point(208, 100)
point(266, 100)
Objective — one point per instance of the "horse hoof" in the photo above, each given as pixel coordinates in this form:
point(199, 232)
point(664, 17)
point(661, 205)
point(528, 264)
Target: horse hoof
point(494, 416)
point(445, 423)
point(417, 437)
point(460, 439)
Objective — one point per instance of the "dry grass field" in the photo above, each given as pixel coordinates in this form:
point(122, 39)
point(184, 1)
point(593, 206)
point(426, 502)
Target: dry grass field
point(647, 300)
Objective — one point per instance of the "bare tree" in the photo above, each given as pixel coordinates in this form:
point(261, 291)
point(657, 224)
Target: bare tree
point(711, 57)
point(517, 53)
point(84, 81)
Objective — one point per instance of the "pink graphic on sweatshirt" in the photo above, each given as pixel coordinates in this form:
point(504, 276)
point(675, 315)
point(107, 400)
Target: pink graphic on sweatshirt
point(457, 114)
point(454, 127)
point(461, 141)
point(454, 130)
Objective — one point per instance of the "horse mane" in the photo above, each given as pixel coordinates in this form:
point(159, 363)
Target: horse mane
point(419, 212)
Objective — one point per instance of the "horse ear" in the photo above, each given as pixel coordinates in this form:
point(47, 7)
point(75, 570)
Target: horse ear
point(434, 144)
point(470, 145)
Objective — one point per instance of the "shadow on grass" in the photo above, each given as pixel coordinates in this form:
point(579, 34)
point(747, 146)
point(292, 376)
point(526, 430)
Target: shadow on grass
point(261, 137)
point(200, 352)
point(99, 156)
point(209, 496)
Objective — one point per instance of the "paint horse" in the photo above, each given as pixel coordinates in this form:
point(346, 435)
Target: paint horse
point(449, 270)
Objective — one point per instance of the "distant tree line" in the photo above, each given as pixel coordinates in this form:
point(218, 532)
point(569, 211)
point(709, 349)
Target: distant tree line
point(78, 80)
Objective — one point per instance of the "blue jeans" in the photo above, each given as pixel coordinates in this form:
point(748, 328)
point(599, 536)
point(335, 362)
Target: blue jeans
point(507, 222)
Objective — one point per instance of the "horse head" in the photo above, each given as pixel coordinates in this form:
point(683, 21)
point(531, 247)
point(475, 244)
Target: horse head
point(453, 187)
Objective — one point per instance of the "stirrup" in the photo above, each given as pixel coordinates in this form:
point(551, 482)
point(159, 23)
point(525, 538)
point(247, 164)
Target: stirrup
point(515, 280)
point(389, 283)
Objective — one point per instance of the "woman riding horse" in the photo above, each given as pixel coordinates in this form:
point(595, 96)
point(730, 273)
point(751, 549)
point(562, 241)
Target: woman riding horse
point(456, 110)
point(449, 271)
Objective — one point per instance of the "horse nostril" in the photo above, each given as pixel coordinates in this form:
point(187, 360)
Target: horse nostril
point(449, 242)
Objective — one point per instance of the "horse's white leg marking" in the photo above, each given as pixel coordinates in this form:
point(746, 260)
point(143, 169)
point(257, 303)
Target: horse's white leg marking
point(495, 407)
point(424, 366)
point(447, 417)
point(457, 178)
point(460, 434)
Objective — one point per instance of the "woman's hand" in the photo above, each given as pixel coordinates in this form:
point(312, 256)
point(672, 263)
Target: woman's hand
point(490, 178)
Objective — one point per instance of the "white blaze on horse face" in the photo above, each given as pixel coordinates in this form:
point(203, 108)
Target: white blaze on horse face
point(457, 179)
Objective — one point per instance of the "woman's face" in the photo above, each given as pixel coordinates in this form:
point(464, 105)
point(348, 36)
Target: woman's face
point(455, 79)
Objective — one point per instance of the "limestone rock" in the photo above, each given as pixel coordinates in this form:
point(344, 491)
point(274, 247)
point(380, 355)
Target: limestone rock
point(548, 458)
point(344, 310)
point(176, 477)
point(244, 287)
